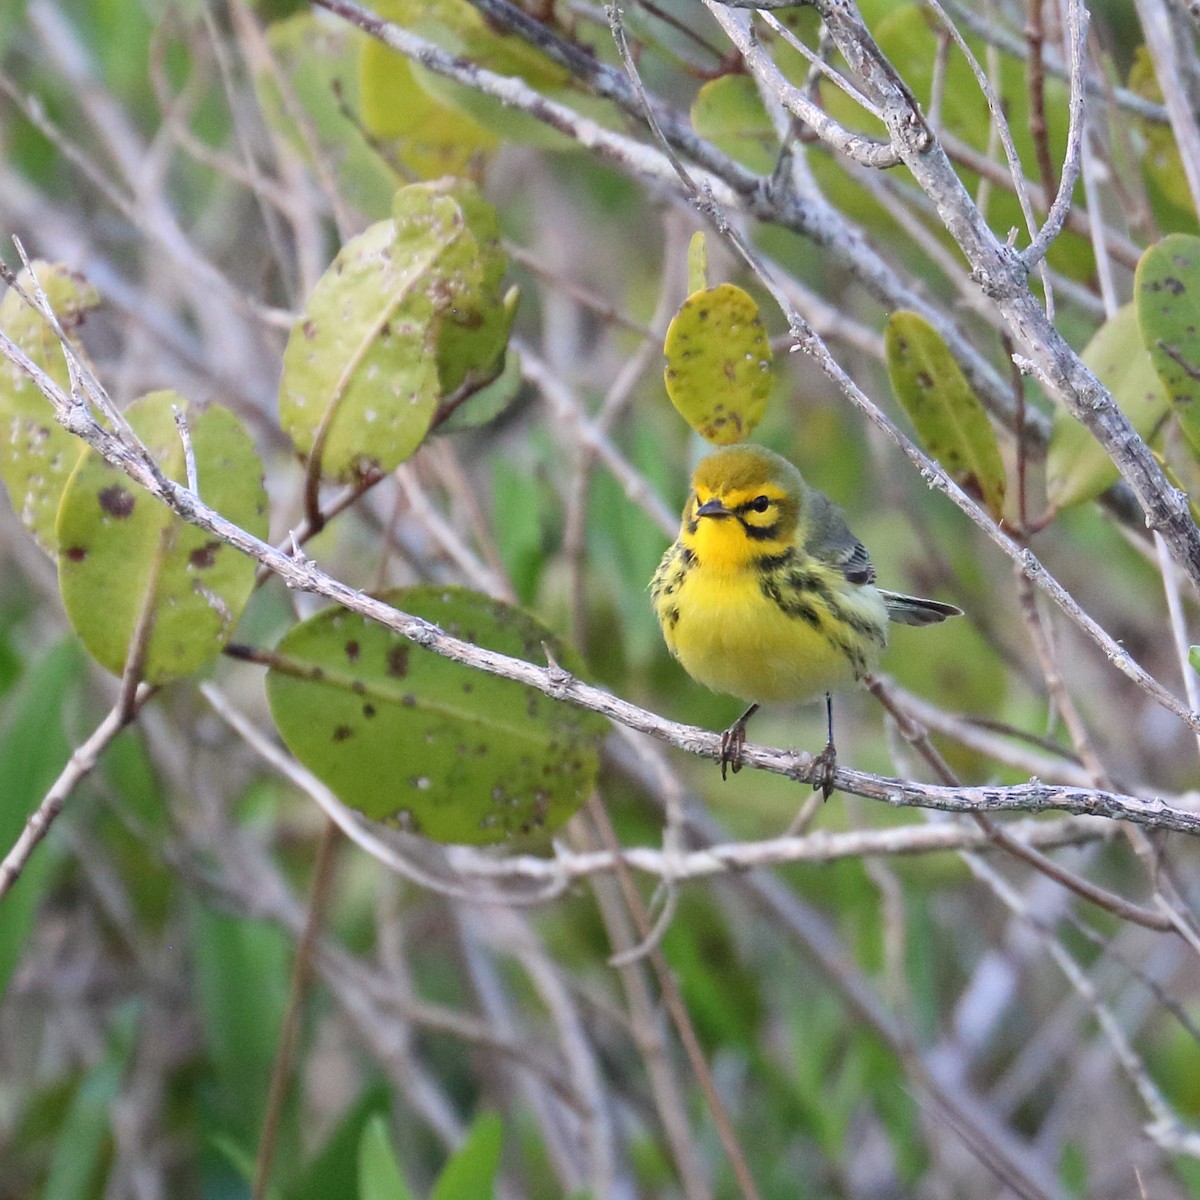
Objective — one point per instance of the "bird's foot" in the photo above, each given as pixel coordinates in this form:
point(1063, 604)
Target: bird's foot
point(733, 742)
point(824, 767)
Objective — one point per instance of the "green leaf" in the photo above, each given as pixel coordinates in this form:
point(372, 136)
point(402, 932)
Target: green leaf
point(1167, 288)
point(1078, 468)
point(945, 412)
point(1194, 657)
point(729, 112)
point(471, 1172)
point(434, 747)
point(718, 371)
point(33, 750)
point(79, 1148)
point(458, 27)
point(430, 137)
point(121, 548)
point(37, 455)
point(697, 260)
point(360, 375)
point(379, 1175)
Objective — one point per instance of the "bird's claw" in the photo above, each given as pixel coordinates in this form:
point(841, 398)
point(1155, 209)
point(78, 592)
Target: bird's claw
point(824, 768)
point(733, 742)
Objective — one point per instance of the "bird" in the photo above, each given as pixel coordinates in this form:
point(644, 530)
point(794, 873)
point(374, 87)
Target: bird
point(767, 595)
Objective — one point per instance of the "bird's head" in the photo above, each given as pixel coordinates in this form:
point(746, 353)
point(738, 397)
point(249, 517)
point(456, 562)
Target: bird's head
point(745, 505)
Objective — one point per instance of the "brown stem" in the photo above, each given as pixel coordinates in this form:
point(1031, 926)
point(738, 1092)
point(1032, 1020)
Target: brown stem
point(285, 1051)
point(673, 1000)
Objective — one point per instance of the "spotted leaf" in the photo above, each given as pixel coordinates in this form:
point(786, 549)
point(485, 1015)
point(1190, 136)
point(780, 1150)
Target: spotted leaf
point(718, 371)
point(410, 738)
point(945, 412)
point(37, 455)
point(363, 368)
point(1167, 289)
point(121, 550)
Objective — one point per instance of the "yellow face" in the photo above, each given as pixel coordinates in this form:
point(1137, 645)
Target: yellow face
point(744, 506)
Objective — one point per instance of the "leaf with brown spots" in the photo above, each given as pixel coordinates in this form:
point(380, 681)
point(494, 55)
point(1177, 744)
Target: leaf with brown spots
point(121, 545)
point(37, 455)
point(411, 738)
point(718, 371)
point(946, 414)
point(1167, 290)
point(409, 312)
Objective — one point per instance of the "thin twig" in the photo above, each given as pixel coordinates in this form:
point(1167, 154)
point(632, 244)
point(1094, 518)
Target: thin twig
point(289, 1033)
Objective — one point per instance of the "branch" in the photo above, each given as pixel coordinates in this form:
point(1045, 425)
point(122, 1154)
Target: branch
point(81, 763)
point(1002, 275)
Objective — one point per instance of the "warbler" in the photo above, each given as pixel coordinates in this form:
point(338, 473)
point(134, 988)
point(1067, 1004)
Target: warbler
point(767, 595)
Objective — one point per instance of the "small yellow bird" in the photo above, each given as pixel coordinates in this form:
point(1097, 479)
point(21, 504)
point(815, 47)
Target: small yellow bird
point(767, 595)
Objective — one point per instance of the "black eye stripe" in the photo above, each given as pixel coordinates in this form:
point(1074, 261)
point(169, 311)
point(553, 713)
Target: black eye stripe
point(760, 504)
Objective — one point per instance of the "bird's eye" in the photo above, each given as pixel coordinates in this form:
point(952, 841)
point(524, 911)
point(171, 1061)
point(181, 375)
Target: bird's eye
point(760, 503)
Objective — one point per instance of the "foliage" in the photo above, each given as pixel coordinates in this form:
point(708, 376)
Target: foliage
point(409, 301)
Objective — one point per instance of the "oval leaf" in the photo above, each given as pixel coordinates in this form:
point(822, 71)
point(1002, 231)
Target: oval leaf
point(945, 412)
point(1167, 288)
point(718, 372)
point(360, 377)
point(429, 745)
point(121, 549)
point(37, 455)
point(1077, 467)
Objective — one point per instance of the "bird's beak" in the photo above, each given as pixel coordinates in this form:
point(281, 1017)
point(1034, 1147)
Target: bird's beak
point(713, 508)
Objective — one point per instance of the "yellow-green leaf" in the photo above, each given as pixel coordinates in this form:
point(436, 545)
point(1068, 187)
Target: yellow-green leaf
point(120, 549)
point(458, 27)
point(1077, 467)
point(360, 374)
point(1167, 290)
point(37, 455)
point(429, 745)
point(718, 371)
point(945, 412)
point(430, 137)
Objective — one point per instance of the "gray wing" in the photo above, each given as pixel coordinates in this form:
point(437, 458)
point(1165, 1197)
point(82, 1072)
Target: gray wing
point(916, 610)
point(829, 540)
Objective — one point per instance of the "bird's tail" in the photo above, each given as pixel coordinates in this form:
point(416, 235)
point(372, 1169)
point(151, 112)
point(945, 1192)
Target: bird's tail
point(913, 610)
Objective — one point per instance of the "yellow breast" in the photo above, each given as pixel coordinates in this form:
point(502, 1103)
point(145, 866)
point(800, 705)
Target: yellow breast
point(730, 634)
